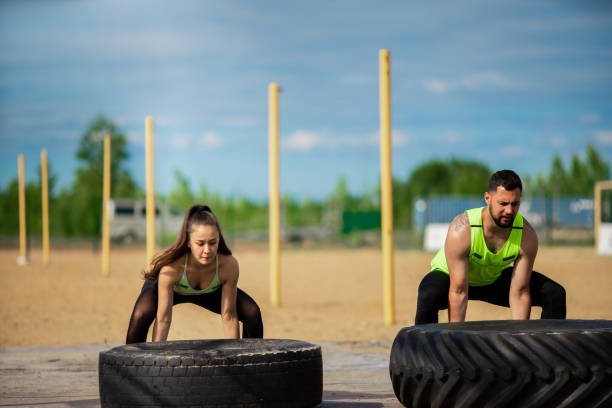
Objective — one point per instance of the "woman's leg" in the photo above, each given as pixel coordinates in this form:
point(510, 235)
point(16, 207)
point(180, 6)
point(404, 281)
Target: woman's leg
point(250, 316)
point(247, 310)
point(143, 314)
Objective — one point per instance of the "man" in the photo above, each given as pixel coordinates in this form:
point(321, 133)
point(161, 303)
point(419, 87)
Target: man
point(488, 255)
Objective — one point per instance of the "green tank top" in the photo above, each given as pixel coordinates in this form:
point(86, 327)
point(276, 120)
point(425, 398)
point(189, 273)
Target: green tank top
point(484, 267)
point(183, 285)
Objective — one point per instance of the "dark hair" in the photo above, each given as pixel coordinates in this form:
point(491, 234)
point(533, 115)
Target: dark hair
point(196, 215)
point(505, 178)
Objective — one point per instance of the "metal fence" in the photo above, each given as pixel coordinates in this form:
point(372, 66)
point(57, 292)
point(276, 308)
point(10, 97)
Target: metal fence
point(562, 219)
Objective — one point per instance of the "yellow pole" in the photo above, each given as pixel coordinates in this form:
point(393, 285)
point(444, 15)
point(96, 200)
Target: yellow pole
point(274, 201)
point(22, 259)
point(150, 189)
point(44, 180)
point(386, 191)
point(106, 192)
point(599, 186)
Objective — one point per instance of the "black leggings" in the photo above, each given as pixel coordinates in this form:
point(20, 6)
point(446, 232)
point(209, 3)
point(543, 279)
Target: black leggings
point(433, 295)
point(145, 311)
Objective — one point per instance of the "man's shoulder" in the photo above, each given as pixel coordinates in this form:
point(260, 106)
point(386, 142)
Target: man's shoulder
point(459, 236)
point(460, 222)
point(529, 240)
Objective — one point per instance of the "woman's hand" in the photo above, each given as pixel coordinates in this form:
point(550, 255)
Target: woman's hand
point(229, 284)
point(164, 304)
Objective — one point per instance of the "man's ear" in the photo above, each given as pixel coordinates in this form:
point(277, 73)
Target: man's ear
point(487, 197)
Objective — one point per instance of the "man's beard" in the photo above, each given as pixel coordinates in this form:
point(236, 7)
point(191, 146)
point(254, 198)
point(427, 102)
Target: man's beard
point(498, 221)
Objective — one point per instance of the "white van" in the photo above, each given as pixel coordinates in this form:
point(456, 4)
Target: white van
point(128, 220)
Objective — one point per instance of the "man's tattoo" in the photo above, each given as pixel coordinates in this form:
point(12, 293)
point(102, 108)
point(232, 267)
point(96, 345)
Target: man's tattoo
point(461, 221)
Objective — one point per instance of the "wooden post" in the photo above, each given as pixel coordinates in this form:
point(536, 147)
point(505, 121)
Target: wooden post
point(150, 186)
point(106, 191)
point(274, 200)
point(386, 187)
point(22, 259)
point(44, 181)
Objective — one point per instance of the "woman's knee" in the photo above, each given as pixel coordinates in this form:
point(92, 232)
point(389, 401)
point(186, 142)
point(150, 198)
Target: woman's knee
point(249, 311)
point(143, 315)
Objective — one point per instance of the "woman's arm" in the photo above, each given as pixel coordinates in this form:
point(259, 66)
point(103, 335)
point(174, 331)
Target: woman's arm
point(229, 286)
point(164, 305)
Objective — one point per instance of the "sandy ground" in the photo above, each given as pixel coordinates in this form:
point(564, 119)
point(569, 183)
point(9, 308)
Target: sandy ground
point(326, 295)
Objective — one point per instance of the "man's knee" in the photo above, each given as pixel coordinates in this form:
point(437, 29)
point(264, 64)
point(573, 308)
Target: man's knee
point(553, 301)
point(554, 292)
point(432, 291)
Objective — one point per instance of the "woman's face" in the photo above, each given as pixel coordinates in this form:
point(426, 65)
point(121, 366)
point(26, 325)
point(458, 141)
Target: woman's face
point(203, 242)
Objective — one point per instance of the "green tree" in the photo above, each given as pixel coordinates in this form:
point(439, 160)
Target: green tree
point(579, 179)
point(181, 197)
point(453, 177)
point(82, 206)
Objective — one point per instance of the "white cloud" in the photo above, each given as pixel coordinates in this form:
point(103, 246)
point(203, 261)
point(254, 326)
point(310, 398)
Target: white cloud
point(477, 81)
point(436, 85)
point(512, 151)
point(180, 142)
point(399, 138)
point(558, 141)
point(303, 140)
point(589, 117)
point(210, 140)
point(240, 121)
point(135, 137)
point(356, 79)
point(482, 80)
point(307, 139)
point(604, 137)
point(451, 137)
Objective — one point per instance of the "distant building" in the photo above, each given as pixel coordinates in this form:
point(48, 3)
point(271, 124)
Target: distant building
point(128, 220)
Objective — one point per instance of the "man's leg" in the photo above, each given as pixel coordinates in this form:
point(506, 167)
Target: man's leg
point(433, 296)
point(496, 293)
point(545, 292)
point(549, 295)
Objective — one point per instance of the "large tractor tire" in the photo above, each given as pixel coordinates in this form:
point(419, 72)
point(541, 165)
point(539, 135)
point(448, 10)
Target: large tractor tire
point(212, 373)
point(533, 363)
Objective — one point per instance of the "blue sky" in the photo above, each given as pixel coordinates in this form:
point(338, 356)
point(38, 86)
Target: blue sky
point(507, 83)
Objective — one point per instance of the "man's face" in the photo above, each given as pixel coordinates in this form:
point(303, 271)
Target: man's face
point(503, 205)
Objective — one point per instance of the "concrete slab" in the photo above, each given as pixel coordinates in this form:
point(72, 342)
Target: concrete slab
point(355, 375)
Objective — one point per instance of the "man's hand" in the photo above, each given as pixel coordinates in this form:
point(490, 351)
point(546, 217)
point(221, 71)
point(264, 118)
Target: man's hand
point(520, 297)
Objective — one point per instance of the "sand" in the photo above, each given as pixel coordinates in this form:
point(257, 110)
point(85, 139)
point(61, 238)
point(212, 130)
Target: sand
point(326, 294)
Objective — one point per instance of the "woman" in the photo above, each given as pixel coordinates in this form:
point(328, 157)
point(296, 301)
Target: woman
point(198, 268)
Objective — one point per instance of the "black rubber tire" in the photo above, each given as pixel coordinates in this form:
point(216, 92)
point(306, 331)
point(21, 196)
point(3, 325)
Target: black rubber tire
point(533, 363)
point(212, 373)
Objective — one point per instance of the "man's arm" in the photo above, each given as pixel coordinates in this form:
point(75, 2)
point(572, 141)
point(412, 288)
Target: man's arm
point(457, 249)
point(520, 297)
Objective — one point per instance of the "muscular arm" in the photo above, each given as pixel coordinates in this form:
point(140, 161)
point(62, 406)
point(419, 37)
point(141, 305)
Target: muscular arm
point(164, 305)
point(229, 285)
point(520, 297)
point(457, 249)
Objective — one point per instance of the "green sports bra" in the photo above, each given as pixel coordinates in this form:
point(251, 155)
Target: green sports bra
point(184, 287)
